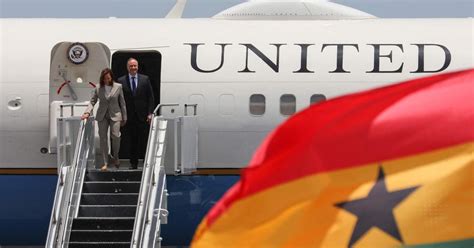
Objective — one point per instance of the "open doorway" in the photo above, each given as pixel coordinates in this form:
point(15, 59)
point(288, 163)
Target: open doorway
point(149, 63)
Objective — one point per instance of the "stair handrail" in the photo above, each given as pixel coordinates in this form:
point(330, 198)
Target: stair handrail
point(157, 212)
point(83, 155)
point(151, 208)
point(60, 204)
point(157, 111)
point(69, 179)
point(153, 165)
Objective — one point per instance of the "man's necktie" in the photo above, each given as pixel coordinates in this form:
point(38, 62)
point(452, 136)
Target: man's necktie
point(134, 85)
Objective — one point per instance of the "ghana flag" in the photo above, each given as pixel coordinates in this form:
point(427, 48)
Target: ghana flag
point(384, 168)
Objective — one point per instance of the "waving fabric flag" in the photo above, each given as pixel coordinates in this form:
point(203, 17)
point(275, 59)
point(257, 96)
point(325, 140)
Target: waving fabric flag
point(383, 168)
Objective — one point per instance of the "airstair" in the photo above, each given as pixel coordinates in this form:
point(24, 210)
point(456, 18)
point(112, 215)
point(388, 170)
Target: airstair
point(107, 209)
point(118, 208)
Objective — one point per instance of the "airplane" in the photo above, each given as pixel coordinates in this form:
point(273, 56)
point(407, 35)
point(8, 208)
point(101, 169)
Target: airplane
point(247, 68)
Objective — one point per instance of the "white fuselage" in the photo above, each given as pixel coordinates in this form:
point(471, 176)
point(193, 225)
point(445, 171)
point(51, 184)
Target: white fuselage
point(232, 61)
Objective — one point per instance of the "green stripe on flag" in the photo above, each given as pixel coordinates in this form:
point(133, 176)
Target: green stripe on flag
point(467, 243)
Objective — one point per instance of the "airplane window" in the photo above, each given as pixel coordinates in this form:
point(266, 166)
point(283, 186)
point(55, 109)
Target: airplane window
point(257, 104)
point(317, 98)
point(287, 104)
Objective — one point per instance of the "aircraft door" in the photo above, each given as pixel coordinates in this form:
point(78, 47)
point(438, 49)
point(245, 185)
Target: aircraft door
point(74, 73)
point(149, 63)
point(75, 70)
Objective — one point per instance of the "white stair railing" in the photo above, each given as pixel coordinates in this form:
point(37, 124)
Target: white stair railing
point(172, 146)
point(152, 196)
point(70, 176)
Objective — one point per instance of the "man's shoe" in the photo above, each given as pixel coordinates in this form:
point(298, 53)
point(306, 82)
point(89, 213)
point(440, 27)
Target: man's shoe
point(116, 163)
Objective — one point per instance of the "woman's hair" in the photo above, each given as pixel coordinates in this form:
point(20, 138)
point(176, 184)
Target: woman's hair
point(102, 75)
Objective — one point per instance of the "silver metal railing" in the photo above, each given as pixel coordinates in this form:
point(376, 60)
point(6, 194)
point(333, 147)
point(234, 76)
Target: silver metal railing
point(182, 142)
point(164, 146)
point(70, 176)
point(71, 106)
point(158, 109)
point(151, 209)
point(59, 111)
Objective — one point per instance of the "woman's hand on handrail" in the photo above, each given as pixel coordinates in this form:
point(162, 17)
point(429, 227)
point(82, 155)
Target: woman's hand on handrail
point(85, 116)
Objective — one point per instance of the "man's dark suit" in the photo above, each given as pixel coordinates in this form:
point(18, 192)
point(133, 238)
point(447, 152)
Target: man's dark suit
point(139, 106)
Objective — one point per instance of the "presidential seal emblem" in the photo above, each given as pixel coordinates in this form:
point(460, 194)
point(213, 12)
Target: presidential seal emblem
point(78, 53)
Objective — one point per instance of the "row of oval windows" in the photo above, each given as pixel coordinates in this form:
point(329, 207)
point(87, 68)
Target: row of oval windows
point(257, 103)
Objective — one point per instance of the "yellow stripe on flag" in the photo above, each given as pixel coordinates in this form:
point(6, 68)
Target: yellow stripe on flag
point(303, 212)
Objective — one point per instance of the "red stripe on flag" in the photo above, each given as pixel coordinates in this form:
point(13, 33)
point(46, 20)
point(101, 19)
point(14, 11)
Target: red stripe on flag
point(383, 124)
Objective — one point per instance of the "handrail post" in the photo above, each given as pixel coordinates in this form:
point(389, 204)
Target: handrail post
point(186, 105)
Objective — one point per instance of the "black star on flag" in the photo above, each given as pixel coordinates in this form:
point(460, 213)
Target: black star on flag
point(376, 210)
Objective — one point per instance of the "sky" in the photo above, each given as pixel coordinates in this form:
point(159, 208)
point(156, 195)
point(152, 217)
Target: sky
point(208, 8)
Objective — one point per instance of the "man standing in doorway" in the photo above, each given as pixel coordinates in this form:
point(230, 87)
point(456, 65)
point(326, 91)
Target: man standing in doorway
point(140, 104)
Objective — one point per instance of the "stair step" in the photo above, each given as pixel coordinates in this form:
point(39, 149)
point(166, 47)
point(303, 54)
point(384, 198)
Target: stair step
point(116, 175)
point(111, 187)
point(101, 236)
point(99, 244)
point(109, 199)
point(103, 223)
point(107, 211)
